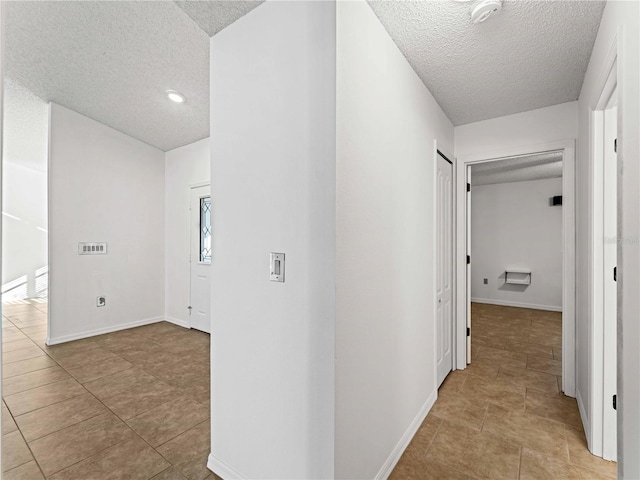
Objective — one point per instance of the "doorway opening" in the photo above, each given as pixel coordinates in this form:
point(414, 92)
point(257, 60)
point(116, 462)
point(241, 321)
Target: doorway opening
point(513, 276)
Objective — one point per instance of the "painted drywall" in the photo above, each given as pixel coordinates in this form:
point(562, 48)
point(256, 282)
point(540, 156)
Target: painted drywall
point(184, 167)
point(385, 364)
point(513, 226)
point(273, 190)
point(25, 264)
point(535, 127)
point(620, 20)
point(104, 186)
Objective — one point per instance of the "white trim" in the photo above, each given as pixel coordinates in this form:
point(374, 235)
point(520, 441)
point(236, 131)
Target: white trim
point(100, 331)
point(506, 303)
point(199, 184)
point(406, 438)
point(585, 420)
point(568, 249)
point(607, 82)
point(223, 470)
point(177, 321)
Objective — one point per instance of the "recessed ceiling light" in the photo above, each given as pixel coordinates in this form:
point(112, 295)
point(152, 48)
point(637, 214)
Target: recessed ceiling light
point(176, 96)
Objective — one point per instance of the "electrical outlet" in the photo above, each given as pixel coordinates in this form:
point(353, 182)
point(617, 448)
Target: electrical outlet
point(101, 301)
point(486, 281)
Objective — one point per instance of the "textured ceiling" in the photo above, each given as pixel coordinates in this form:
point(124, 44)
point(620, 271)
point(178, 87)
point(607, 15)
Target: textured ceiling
point(518, 169)
point(213, 16)
point(532, 54)
point(113, 61)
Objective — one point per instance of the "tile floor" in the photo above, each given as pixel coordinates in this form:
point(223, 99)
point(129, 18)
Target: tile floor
point(126, 405)
point(504, 416)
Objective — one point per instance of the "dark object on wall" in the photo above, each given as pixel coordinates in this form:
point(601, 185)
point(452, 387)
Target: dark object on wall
point(557, 200)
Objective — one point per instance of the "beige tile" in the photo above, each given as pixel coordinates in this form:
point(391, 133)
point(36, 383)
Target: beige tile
point(473, 453)
point(161, 424)
point(540, 434)
point(579, 454)
point(189, 451)
point(482, 390)
point(461, 410)
point(140, 399)
point(531, 349)
point(453, 382)
point(70, 348)
point(423, 438)
point(557, 353)
point(530, 379)
point(35, 398)
point(73, 444)
point(536, 466)
point(26, 366)
point(118, 382)
point(17, 345)
point(55, 417)
point(86, 373)
point(34, 330)
point(545, 365)
point(483, 367)
point(503, 357)
point(169, 474)
point(86, 357)
point(131, 459)
point(423, 469)
point(27, 471)
point(8, 425)
point(12, 337)
point(27, 381)
point(14, 451)
point(22, 354)
point(557, 407)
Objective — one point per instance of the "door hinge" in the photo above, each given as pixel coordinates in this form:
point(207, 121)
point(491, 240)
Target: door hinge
point(189, 308)
point(615, 402)
point(468, 332)
point(615, 145)
point(468, 259)
point(468, 187)
point(615, 274)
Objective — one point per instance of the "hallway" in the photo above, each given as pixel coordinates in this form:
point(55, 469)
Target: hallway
point(504, 416)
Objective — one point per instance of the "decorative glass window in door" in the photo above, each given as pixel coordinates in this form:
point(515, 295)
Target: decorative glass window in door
point(205, 230)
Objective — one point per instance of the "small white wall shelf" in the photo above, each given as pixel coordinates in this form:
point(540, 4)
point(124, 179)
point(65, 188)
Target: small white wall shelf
point(517, 276)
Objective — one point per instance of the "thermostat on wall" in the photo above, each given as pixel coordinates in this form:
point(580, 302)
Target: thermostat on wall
point(92, 248)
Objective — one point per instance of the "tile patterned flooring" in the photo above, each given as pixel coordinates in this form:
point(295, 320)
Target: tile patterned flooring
point(128, 405)
point(504, 417)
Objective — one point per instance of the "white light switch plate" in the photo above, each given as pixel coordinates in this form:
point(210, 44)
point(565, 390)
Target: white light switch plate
point(277, 267)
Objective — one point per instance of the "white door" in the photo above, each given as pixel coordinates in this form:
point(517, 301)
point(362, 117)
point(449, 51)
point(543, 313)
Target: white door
point(610, 297)
point(444, 266)
point(468, 261)
point(200, 259)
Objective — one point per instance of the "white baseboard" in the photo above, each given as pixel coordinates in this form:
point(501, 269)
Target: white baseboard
point(101, 331)
point(406, 438)
point(506, 303)
point(223, 470)
point(177, 321)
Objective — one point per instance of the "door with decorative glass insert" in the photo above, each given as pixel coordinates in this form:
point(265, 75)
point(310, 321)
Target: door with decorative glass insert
point(200, 261)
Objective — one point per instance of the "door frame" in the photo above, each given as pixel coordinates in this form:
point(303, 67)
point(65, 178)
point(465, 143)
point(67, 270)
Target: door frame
point(451, 159)
point(607, 84)
point(567, 147)
point(454, 291)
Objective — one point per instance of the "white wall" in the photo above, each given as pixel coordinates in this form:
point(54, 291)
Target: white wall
point(535, 127)
point(273, 190)
point(385, 363)
point(621, 18)
point(513, 226)
point(26, 119)
point(103, 186)
point(184, 167)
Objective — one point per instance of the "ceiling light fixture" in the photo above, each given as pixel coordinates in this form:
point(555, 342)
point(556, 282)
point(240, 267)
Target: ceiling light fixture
point(483, 9)
point(176, 97)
